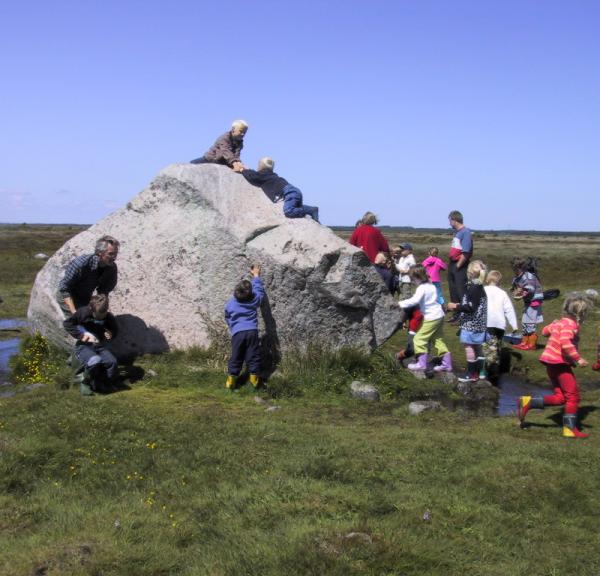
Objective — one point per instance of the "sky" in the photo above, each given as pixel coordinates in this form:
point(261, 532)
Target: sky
point(406, 108)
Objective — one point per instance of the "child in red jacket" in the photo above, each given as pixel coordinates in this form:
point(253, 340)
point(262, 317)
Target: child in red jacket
point(559, 356)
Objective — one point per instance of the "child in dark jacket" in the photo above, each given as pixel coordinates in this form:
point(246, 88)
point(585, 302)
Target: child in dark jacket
point(473, 320)
point(527, 286)
point(92, 326)
point(241, 315)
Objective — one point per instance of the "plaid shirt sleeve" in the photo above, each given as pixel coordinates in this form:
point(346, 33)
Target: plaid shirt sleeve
point(73, 275)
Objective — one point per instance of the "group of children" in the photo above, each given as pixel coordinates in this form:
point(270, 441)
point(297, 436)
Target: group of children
point(484, 312)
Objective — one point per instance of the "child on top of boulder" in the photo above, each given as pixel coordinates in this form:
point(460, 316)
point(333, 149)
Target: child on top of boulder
point(559, 356)
point(276, 188)
point(227, 148)
point(241, 315)
point(432, 328)
point(473, 320)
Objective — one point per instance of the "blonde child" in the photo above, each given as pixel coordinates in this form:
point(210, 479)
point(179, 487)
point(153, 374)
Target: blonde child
point(559, 356)
point(500, 309)
point(434, 265)
point(473, 319)
point(432, 329)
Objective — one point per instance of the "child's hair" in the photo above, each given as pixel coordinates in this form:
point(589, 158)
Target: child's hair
point(493, 277)
point(476, 271)
point(99, 304)
point(266, 163)
point(243, 291)
point(418, 273)
point(577, 306)
point(433, 251)
point(521, 264)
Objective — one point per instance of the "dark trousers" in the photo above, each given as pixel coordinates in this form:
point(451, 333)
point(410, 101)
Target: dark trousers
point(457, 281)
point(244, 348)
point(96, 358)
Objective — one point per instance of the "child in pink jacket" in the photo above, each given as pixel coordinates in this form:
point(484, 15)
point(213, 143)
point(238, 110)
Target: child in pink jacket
point(434, 265)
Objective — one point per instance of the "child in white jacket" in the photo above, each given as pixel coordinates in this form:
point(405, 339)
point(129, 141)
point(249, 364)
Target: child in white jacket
point(500, 309)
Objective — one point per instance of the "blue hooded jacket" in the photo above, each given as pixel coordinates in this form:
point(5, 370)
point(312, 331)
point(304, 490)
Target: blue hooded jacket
point(242, 316)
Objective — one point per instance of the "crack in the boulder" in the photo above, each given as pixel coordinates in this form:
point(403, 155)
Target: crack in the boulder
point(259, 232)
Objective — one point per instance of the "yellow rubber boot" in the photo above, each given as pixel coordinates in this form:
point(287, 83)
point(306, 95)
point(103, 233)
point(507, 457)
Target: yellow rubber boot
point(254, 380)
point(230, 382)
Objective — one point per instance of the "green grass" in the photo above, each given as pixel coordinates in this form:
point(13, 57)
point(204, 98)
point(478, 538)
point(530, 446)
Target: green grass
point(179, 477)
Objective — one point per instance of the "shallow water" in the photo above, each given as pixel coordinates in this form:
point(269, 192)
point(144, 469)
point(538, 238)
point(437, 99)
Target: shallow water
point(510, 389)
point(12, 324)
point(8, 348)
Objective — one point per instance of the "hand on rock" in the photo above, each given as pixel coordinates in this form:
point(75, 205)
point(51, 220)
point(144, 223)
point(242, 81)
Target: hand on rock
point(89, 337)
point(255, 270)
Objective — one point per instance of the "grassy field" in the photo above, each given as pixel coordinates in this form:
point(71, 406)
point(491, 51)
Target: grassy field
point(178, 477)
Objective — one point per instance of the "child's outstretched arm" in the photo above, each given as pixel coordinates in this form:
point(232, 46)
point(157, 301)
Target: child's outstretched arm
point(257, 285)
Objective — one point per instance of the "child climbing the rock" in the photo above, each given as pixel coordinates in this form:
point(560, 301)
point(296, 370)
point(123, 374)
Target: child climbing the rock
point(527, 286)
point(241, 315)
point(277, 188)
point(559, 356)
point(432, 328)
point(92, 326)
point(473, 320)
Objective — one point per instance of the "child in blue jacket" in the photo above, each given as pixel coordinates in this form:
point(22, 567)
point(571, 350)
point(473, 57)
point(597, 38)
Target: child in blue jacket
point(241, 315)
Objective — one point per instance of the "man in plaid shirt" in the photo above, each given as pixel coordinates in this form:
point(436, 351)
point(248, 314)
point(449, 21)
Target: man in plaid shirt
point(87, 273)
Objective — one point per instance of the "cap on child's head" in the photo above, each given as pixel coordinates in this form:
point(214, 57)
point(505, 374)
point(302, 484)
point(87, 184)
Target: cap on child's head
point(406, 246)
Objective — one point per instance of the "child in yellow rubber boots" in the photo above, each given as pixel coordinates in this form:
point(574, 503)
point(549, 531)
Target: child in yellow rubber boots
point(241, 315)
point(559, 356)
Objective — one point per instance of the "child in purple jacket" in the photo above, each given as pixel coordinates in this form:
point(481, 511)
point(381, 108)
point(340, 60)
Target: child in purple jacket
point(241, 315)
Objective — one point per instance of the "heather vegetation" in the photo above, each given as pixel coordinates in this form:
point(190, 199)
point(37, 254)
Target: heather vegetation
point(177, 476)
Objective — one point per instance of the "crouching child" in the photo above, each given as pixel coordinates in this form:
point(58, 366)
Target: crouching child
point(241, 315)
point(92, 326)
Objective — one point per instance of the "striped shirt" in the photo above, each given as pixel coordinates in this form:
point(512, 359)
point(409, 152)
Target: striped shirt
point(562, 346)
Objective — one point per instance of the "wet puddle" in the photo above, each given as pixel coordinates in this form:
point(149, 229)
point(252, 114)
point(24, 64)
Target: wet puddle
point(510, 389)
point(8, 348)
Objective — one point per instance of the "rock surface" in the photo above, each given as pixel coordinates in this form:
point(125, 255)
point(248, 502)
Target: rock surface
point(364, 391)
point(415, 408)
point(188, 238)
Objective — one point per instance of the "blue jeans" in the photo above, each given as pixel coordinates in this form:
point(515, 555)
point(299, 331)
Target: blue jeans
point(96, 357)
point(293, 207)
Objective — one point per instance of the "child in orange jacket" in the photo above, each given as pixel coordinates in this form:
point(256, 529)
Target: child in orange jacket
point(559, 356)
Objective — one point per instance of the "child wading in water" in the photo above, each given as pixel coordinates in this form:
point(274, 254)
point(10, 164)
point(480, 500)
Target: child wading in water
point(526, 285)
point(559, 356)
point(432, 329)
point(473, 320)
point(434, 265)
point(241, 315)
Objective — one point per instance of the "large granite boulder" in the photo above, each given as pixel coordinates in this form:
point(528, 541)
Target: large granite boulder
point(188, 238)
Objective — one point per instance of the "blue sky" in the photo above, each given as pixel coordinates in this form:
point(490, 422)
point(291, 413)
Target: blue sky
point(406, 108)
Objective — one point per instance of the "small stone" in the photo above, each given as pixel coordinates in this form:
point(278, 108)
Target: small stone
point(364, 391)
point(359, 536)
point(415, 408)
point(41, 256)
point(448, 378)
point(273, 408)
point(426, 516)
point(260, 400)
point(151, 373)
point(117, 523)
point(33, 386)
